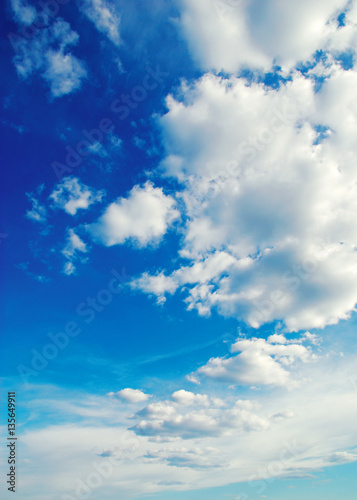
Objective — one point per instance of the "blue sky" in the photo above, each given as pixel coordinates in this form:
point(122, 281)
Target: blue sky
point(178, 248)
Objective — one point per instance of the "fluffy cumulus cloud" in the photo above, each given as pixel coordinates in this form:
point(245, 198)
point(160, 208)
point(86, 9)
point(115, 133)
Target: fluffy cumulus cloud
point(231, 34)
point(271, 362)
point(71, 195)
point(64, 73)
point(188, 398)
point(164, 419)
point(47, 51)
point(143, 217)
point(130, 395)
point(268, 178)
point(104, 17)
point(158, 285)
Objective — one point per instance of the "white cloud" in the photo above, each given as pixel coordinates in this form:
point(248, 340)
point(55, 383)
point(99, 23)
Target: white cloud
point(193, 379)
point(64, 73)
point(75, 244)
point(104, 17)
point(71, 195)
point(143, 217)
point(311, 338)
point(24, 13)
point(157, 285)
point(69, 268)
point(73, 251)
point(229, 35)
point(131, 395)
point(270, 207)
point(38, 211)
point(269, 200)
point(163, 419)
point(260, 362)
point(202, 271)
point(47, 53)
point(187, 398)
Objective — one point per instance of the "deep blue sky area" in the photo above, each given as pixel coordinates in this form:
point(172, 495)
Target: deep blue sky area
point(51, 125)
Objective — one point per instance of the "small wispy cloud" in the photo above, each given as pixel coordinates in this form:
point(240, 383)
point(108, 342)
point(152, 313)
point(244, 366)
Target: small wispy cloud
point(105, 18)
point(48, 54)
point(71, 195)
point(73, 251)
point(38, 212)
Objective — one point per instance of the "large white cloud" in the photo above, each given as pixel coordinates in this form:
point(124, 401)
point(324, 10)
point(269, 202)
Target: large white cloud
point(143, 217)
point(268, 180)
point(230, 34)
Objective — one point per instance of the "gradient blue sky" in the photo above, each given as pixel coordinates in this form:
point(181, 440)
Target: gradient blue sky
point(181, 297)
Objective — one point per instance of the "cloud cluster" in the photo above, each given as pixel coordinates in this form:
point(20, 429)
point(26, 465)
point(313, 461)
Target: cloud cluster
point(267, 188)
point(71, 196)
point(169, 419)
point(267, 181)
point(186, 436)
